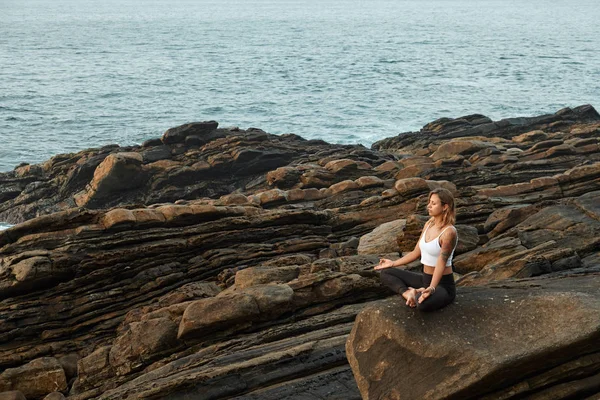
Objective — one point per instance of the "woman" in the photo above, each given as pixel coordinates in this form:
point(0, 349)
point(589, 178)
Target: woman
point(434, 288)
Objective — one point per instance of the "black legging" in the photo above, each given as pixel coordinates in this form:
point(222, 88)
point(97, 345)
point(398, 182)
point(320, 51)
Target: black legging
point(399, 280)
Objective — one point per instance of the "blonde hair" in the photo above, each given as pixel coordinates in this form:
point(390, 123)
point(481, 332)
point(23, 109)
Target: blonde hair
point(446, 197)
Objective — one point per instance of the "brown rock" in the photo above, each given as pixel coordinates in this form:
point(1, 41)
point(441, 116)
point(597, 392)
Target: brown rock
point(208, 315)
point(581, 173)
point(533, 136)
point(560, 150)
point(487, 254)
point(444, 185)
point(272, 196)
point(93, 369)
point(545, 145)
point(179, 134)
point(30, 271)
point(496, 159)
point(141, 342)
point(468, 239)
point(388, 166)
point(117, 173)
point(414, 170)
point(369, 181)
point(505, 218)
point(146, 217)
point(220, 161)
point(175, 213)
point(342, 166)
point(325, 254)
point(287, 260)
point(155, 152)
point(383, 239)
point(370, 201)
point(55, 396)
point(190, 291)
point(410, 187)
point(284, 177)
point(389, 193)
point(12, 395)
point(234, 198)
point(317, 179)
point(536, 190)
point(122, 218)
point(35, 379)
point(485, 345)
point(342, 286)
point(164, 165)
point(569, 226)
point(69, 365)
point(415, 160)
point(529, 262)
point(28, 170)
point(272, 300)
point(304, 195)
point(261, 275)
point(460, 148)
point(343, 186)
point(171, 312)
point(452, 162)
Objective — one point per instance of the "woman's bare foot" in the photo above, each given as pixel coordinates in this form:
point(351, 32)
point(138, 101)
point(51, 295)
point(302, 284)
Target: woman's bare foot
point(411, 297)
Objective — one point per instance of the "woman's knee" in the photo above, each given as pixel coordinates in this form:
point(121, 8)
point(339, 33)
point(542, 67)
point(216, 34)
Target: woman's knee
point(427, 306)
point(385, 275)
point(433, 304)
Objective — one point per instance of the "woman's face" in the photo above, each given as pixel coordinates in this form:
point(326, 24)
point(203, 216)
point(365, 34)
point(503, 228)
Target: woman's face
point(435, 206)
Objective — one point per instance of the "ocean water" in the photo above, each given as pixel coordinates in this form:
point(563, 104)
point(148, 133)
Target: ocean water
point(83, 73)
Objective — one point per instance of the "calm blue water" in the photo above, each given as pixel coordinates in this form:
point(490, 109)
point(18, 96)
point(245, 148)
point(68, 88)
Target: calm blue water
point(76, 74)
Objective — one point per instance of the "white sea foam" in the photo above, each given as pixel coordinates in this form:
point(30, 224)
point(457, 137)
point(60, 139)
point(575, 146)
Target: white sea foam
point(4, 226)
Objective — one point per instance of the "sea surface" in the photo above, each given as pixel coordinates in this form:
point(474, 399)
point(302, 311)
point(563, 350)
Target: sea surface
point(76, 74)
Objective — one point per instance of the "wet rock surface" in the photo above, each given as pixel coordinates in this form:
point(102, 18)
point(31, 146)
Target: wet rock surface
point(227, 263)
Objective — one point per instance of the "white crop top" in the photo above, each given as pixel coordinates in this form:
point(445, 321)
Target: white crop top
point(430, 251)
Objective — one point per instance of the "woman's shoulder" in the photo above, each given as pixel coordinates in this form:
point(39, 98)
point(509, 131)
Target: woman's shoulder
point(449, 231)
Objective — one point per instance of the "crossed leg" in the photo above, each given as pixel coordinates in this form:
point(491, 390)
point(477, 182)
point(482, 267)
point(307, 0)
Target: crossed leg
point(403, 282)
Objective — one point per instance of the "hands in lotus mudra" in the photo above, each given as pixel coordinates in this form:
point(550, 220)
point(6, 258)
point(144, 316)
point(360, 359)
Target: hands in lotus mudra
point(383, 264)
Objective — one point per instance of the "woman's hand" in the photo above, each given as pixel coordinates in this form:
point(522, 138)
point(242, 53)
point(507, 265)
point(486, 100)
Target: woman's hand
point(384, 263)
point(425, 293)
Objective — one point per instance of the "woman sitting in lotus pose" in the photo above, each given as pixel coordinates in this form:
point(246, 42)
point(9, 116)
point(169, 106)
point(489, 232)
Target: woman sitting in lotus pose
point(434, 288)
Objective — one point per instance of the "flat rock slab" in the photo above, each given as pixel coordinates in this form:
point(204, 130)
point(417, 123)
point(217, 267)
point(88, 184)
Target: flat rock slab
point(521, 338)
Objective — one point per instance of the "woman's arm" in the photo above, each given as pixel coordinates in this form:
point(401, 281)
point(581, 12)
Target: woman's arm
point(408, 258)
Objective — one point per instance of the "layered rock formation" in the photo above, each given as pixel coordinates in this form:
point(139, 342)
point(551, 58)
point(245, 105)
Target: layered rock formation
point(226, 263)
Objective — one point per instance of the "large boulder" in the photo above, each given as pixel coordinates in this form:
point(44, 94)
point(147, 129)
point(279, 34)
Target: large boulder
point(142, 341)
point(35, 379)
point(12, 395)
point(231, 310)
point(197, 129)
point(118, 173)
point(526, 338)
point(261, 275)
point(383, 239)
point(459, 147)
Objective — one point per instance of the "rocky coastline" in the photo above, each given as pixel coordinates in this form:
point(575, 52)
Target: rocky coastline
point(219, 263)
